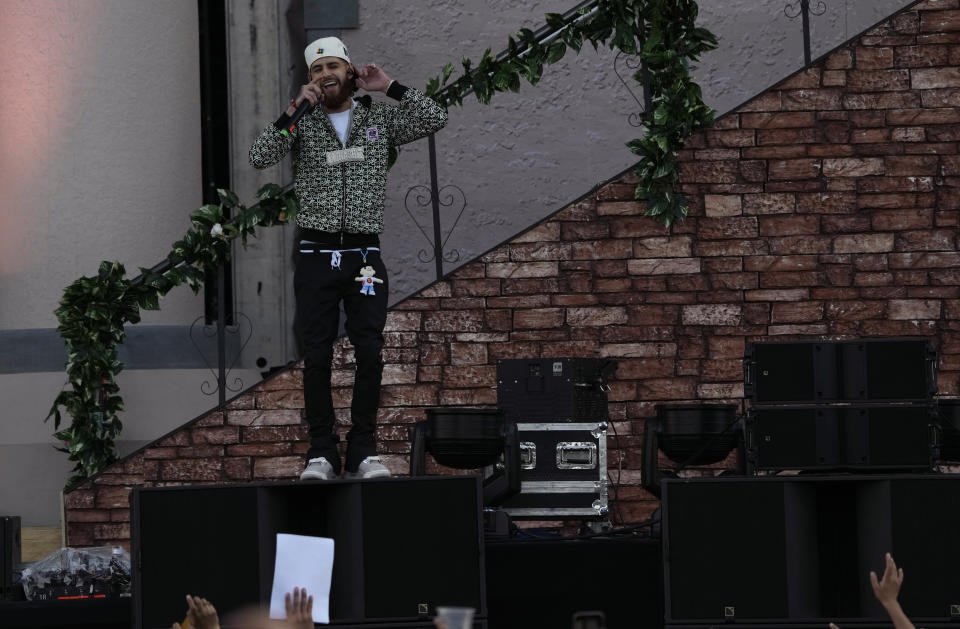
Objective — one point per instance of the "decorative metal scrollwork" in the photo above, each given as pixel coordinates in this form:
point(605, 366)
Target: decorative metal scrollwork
point(632, 63)
point(242, 331)
point(802, 6)
point(803, 9)
point(448, 197)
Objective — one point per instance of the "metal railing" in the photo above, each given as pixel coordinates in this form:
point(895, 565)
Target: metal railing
point(222, 328)
point(544, 35)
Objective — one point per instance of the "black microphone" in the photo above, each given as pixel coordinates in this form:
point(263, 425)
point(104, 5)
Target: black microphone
point(302, 109)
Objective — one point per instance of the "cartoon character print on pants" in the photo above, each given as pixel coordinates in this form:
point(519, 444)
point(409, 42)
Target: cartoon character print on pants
point(367, 280)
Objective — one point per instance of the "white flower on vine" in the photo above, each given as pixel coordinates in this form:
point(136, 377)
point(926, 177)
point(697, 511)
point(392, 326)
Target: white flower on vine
point(217, 231)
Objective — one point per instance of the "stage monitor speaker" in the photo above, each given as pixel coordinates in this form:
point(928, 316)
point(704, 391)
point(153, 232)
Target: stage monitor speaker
point(201, 541)
point(841, 437)
point(745, 537)
point(789, 551)
point(9, 554)
point(948, 410)
point(924, 527)
point(430, 556)
point(868, 370)
point(401, 546)
point(545, 582)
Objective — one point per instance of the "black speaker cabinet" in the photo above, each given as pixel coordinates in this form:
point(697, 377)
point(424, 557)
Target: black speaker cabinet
point(542, 583)
point(401, 546)
point(536, 390)
point(796, 551)
point(839, 371)
point(9, 554)
point(948, 411)
point(887, 437)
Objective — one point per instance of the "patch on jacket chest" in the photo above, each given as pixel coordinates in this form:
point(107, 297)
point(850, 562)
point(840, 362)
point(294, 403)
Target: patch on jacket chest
point(352, 154)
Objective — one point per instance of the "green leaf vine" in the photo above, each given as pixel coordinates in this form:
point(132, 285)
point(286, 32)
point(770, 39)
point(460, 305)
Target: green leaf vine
point(662, 33)
point(93, 311)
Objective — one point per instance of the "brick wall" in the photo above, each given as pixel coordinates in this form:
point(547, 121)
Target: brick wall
point(826, 207)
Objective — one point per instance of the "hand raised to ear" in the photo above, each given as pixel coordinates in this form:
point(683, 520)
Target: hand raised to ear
point(372, 78)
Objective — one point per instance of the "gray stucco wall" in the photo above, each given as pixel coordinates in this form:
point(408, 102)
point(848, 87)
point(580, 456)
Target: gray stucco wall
point(528, 154)
point(99, 160)
point(100, 123)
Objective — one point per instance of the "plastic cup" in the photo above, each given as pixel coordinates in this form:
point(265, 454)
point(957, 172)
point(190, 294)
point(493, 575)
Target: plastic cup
point(455, 617)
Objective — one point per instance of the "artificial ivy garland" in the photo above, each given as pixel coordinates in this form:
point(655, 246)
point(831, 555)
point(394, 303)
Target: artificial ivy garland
point(663, 33)
point(94, 310)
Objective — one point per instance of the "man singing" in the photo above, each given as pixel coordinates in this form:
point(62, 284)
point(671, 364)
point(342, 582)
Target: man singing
point(340, 150)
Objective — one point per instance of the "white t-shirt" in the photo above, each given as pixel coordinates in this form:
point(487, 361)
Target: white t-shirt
point(341, 122)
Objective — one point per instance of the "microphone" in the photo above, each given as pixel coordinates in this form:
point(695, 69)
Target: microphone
point(302, 109)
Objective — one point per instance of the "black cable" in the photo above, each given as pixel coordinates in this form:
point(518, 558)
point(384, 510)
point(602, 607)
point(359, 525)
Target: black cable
point(633, 528)
point(526, 533)
point(616, 486)
point(621, 531)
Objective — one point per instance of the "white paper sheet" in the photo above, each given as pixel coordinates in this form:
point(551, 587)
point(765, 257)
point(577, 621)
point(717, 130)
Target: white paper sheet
point(304, 562)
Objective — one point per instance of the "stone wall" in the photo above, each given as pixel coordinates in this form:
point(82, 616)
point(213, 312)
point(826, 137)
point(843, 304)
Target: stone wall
point(827, 207)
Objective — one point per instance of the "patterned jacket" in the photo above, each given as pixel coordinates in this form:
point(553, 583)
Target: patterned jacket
point(348, 196)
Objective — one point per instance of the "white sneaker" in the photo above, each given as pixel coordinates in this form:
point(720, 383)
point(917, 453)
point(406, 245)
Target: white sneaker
point(370, 467)
point(318, 469)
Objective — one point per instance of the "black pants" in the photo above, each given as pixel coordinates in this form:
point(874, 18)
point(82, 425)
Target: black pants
point(320, 288)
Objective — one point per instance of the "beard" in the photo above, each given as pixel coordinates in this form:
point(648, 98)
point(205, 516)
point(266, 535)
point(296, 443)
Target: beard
point(335, 95)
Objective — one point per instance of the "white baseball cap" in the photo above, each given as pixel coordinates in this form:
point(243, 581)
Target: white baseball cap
point(325, 47)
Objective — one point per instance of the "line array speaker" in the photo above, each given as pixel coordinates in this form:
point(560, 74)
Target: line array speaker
point(870, 370)
point(788, 551)
point(848, 437)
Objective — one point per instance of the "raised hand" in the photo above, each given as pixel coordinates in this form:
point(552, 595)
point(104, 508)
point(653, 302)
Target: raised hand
point(372, 78)
point(888, 588)
point(299, 609)
point(201, 613)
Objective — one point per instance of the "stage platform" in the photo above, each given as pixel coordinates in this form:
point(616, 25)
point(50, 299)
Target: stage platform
point(784, 552)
